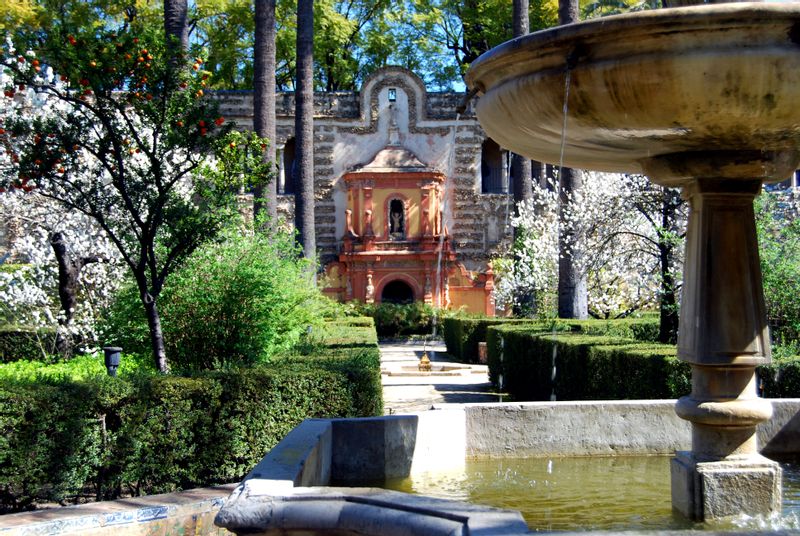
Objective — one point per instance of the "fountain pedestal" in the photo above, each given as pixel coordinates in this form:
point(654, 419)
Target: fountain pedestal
point(723, 335)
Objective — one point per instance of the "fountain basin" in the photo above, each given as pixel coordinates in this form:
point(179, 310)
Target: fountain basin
point(646, 85)
point(322, 453)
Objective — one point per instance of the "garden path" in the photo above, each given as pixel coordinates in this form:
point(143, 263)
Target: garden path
point(407, 390)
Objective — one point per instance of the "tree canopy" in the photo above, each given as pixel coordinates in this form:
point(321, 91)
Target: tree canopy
point(437, 39)
point(99, 120)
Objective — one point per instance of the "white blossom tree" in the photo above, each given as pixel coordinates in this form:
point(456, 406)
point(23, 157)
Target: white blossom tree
point(28, 290)
point(99, 121)
point(623, 227)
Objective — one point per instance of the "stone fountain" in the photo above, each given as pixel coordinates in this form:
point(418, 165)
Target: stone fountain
point(704, 98)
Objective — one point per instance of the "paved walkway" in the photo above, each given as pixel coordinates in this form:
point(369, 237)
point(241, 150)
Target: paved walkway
point(407, 390)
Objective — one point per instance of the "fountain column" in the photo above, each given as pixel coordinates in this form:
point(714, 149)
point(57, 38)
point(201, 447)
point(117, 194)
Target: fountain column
point(724, 336)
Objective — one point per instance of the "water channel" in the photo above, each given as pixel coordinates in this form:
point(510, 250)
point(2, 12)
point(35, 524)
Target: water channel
point(588, 493)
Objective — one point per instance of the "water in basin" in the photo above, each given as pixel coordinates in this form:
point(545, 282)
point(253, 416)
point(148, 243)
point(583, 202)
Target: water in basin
point(586, 493)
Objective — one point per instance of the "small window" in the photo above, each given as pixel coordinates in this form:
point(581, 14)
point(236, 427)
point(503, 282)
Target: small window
point(392, 94)
point(289, 168)
point(494, 168)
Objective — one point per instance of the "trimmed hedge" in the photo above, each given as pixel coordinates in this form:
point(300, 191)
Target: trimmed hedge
point(399, 319)
point(575, 366)
point(780, 379)
point(21, 342)
point(462, 334)
point(63, 440)
point(536, 364)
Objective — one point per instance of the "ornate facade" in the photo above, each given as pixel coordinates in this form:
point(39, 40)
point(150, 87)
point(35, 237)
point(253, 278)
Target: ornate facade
point(411, 199)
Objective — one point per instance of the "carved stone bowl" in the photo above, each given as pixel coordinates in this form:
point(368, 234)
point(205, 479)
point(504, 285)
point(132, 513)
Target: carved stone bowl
point(646, 91)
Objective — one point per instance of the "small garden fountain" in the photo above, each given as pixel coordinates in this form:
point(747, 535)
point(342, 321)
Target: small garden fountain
point(701, 97)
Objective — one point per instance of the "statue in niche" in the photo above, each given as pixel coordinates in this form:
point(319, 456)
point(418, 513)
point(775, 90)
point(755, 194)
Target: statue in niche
point(397, 219)
point(370, 289)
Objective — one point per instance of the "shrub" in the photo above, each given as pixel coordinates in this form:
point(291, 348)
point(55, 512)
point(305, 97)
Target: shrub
point(779, 248)
point(393, 319)
point(536, 364)
point(231, 304)
point(595, 367)
point(23, 342)
point(780, 379)
point(462, 334)
point(78, 368)
point(62, 437)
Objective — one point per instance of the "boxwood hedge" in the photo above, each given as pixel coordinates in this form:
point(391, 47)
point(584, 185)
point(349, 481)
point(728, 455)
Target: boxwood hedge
point(462, 334)
point(22, 342)
point(65, 440)
point(531, 362)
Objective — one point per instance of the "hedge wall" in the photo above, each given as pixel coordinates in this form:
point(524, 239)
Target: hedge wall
point(462, 334)
point(20, 342)
point(64, 441)
point(536, 364)
point(780, 379)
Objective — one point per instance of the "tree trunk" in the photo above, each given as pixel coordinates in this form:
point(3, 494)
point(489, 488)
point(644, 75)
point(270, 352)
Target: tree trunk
point(524, 304)
point(266, 196)
point(568, 12)
point(521, 19)
point(521, 166)
point(572, 286)
point(176, 27)
point(538, 174)
point(304, 128)
point(69, 271)
point(668, 304)
point(156, 334)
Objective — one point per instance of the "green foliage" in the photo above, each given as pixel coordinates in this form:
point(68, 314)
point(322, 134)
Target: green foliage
point(463, 333)
point(62, 436)
point(232, 303)
point(397, 320)
point(449, 35)
point(534, 363)
point(22, 342)
point(14, 13)
point(537, 365)
point(779, 247)
point(78, 368)
point(780, 379)
point(238, 154)
point(126, 147)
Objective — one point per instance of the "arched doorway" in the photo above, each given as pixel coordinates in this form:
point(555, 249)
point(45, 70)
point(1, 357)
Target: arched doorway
point(397, 292)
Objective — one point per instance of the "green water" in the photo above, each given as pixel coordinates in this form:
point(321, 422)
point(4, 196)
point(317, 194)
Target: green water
point(588, 493)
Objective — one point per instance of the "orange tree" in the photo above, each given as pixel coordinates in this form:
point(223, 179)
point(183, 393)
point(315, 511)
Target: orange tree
point(103, 122)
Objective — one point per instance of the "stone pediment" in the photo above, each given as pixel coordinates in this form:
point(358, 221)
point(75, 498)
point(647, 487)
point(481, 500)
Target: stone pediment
point(394, 159)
